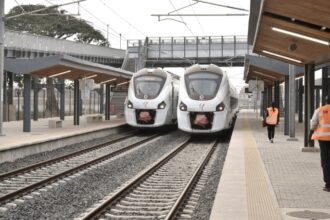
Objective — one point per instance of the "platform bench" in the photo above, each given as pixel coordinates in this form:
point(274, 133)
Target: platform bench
point(55, 123)
point(94, 118)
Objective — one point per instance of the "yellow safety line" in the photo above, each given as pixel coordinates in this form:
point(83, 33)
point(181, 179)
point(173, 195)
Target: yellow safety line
point(261, 201)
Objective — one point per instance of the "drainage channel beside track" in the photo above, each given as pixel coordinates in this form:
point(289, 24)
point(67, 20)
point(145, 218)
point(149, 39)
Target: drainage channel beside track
point(16, 185)
point(161, 191)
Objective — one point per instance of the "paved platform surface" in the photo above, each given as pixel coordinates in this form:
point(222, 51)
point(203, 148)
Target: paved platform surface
point(268, 181)
point(14, 135)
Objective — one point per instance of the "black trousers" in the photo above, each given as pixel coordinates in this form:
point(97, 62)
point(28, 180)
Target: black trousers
point(325, 161)
point(271, 131)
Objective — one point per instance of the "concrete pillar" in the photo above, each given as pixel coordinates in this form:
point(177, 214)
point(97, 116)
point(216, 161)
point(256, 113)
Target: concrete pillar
point(27, 103)
point(76, 103)
point(300, 100)
point(309, 101)
point(107, 102)
point(62, 102)
point(286, 105)
point(292, 102)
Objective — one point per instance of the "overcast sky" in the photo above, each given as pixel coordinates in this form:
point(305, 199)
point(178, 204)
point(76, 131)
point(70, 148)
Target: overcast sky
point(133, 20)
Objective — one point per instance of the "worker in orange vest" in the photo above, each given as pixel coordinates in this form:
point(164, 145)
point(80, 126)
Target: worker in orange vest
point(272, 119)
point(320, 126)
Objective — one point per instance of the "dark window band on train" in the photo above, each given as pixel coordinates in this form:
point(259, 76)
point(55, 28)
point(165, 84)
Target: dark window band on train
point(148, 87)
point(202, 86)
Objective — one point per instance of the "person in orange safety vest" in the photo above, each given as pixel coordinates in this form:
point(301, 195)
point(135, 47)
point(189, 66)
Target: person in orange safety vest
point(272, 119)
point(320, 126)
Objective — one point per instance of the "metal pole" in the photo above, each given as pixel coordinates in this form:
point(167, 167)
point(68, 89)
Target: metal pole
point(300, 100)
point(286, 113)
point(292, 102)
point(27, 104)
point(107, 102)
point(325, 75)
point(309, 101)
point(76, 100)
point(2, 24)
point(62, 104)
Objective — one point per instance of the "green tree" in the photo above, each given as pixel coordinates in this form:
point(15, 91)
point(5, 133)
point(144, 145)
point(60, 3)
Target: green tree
point(55, 23)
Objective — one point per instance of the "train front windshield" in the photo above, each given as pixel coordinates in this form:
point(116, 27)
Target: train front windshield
point(148, 87)
point(202, 86)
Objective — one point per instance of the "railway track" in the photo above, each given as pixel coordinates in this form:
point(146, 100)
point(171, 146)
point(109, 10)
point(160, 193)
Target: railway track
point(162, 190)
point(19, 183)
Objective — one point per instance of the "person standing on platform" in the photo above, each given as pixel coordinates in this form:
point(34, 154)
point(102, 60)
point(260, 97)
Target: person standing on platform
point(272, 119)
point(320, 129)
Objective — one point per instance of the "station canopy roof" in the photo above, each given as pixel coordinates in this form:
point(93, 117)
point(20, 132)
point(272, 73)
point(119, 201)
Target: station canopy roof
point(297, 32)
point(67, 67)
point(267, 70)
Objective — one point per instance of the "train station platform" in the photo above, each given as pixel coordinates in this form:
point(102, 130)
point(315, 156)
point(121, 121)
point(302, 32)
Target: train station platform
point(266, 181)
point(16, 144)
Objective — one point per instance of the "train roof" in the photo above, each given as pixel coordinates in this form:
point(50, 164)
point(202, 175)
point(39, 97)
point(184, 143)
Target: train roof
point(157, 72)
point(208, 68)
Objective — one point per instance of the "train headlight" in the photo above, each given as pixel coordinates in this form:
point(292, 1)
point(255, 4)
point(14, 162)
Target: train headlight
point(129, 104)
point(220, 107)
point(161, 105)
point(182, 106)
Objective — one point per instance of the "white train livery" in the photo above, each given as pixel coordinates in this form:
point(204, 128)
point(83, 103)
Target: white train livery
point(152, 99)
point(208, 103)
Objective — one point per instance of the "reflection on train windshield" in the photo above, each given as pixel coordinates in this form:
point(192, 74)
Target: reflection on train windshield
point(148, 87)
point(202, 86)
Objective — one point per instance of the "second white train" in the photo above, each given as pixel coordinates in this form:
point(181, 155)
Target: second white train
point(152, 99)
point(208, 103)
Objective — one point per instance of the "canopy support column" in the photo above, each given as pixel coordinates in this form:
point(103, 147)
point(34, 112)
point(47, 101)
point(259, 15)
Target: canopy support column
point(292, 103)
point(309, 102)
point(107, 102)
point(300, 100)
point(76, 103)
point(62, 103)
point(27, 104)
point(286, 112)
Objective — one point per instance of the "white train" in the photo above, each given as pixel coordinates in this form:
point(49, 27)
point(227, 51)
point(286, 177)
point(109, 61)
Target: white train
point(152, 99)
point(208, 103)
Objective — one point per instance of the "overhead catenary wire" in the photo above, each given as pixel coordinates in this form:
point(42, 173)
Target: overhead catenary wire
point(182, 19)
point(20, 6)
point(117, 35)
point(193, 10)
point(121, 17)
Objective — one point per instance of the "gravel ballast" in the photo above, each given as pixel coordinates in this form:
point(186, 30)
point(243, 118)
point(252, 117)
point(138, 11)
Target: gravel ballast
point(47, 155)
point(70, 199)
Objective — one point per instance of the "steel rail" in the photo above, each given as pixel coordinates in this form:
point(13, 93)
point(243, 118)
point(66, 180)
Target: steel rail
point(100, 209)
point(190, 184)
point(40, 184)
point(61, 158)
